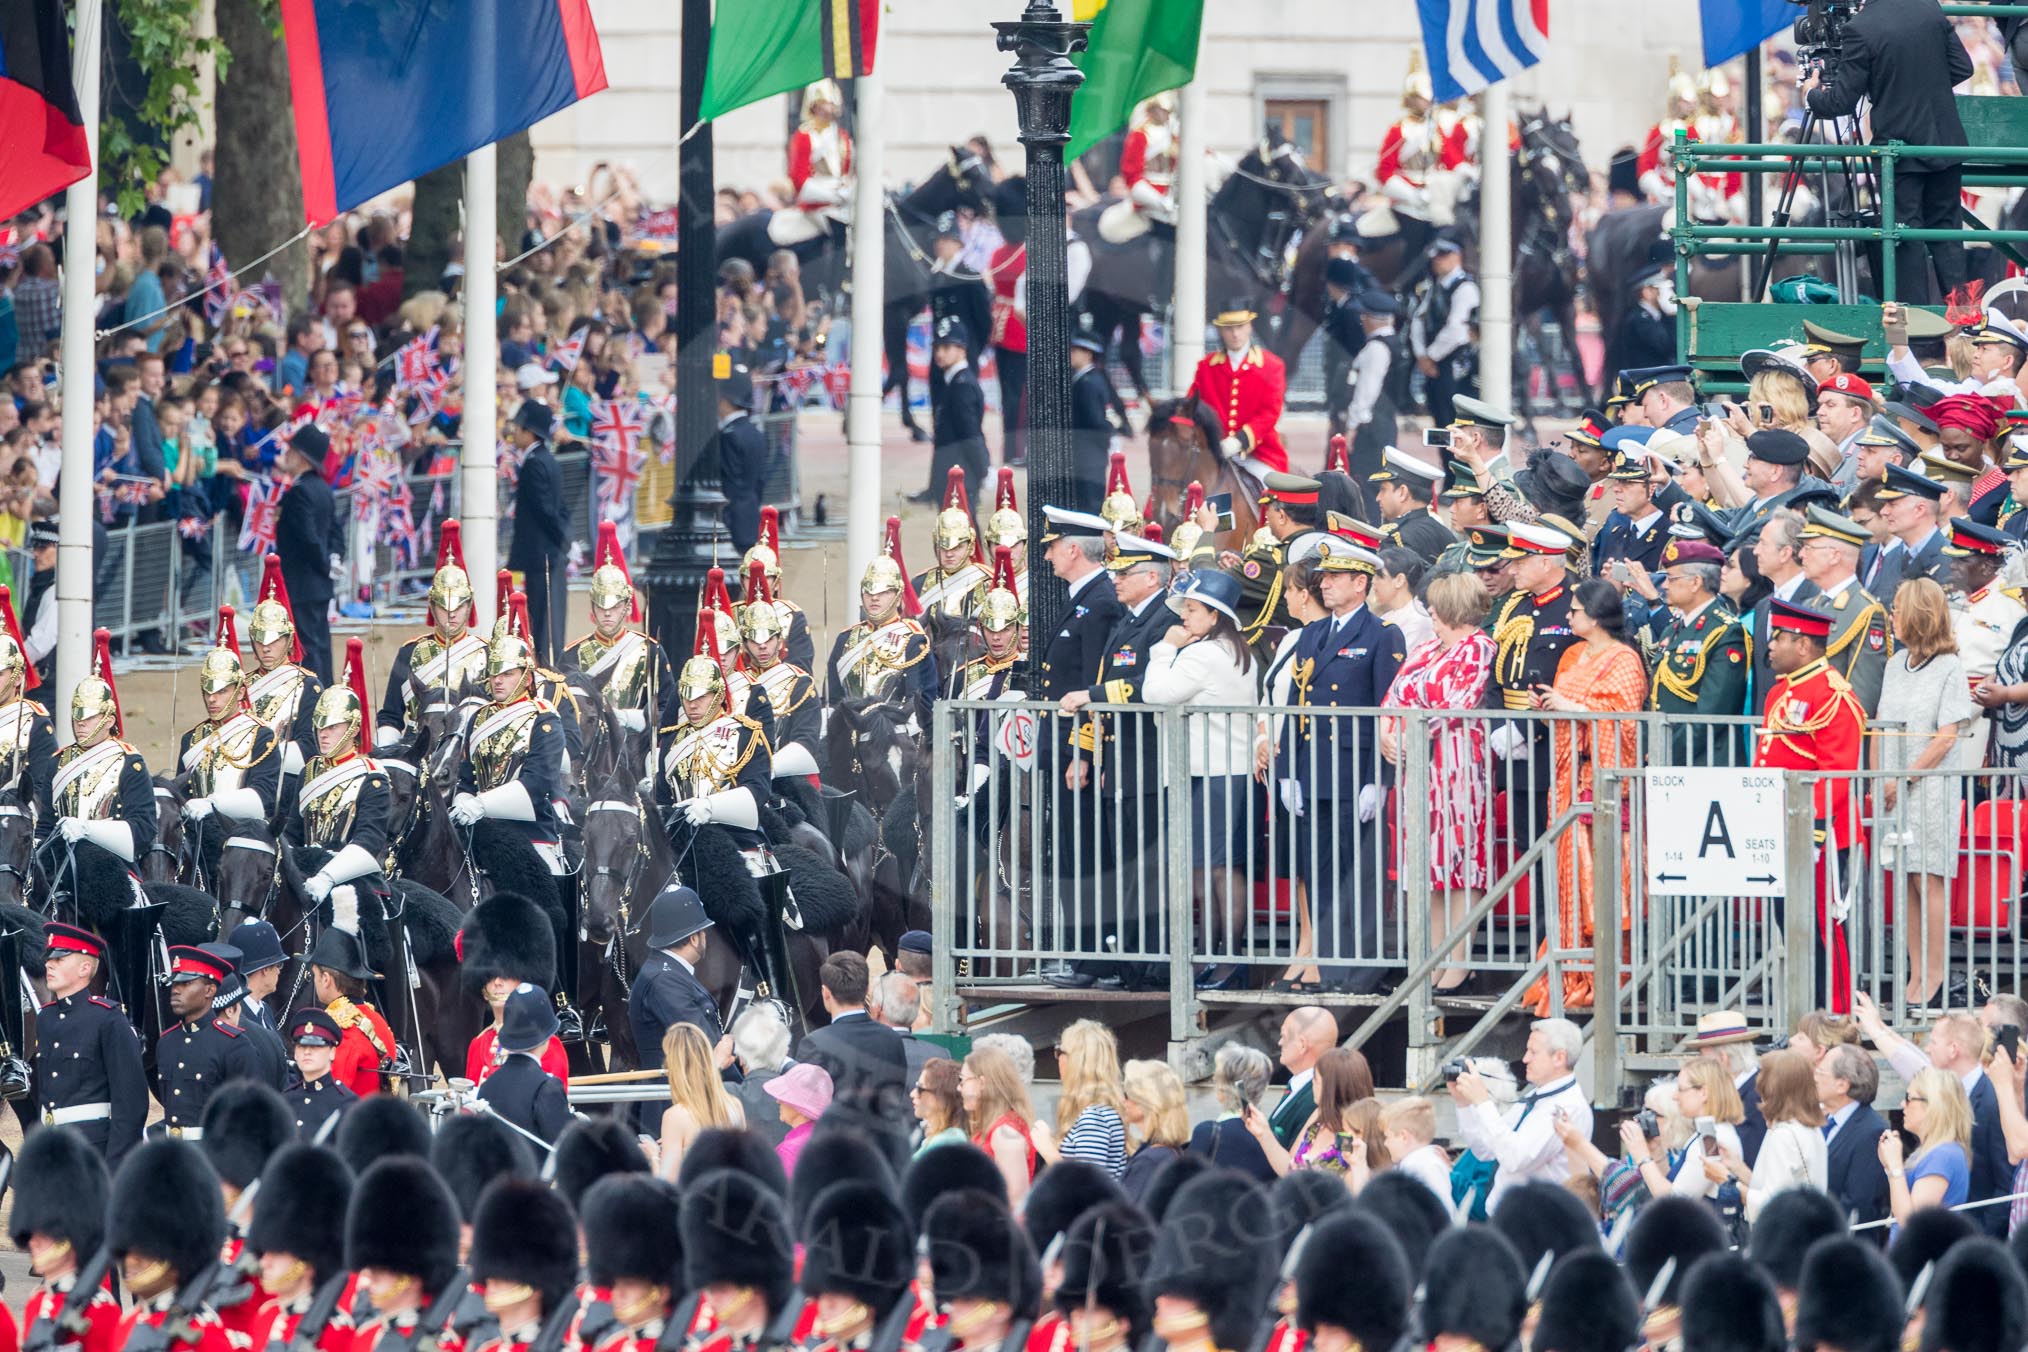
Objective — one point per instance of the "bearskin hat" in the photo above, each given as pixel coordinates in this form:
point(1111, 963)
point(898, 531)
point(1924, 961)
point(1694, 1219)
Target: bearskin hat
point(524, 1232)
point(630, 1231)
point(506, 935)
point(1408, 1210)
point(1105, 1258)
point(301, 1210)
point(1682, 1228)
point(1474, 1287)
point(403, 1218)
point(1211, 1251)
point(1924, 1238)
point(734, 1148)
point(591, 1149)
point(1374, 1307)
point(735, 1230)
point(60, 1189)
point(1976, 1302)
point(1730, 1305)
point(1539, 1218)
point(1848, 1298)
point(856, 1242)
point(471, 1150)
point(166, 1205)
point(831, 1156)
point(379, 1127)
point(1792, 1221)
point(1303, 1198)
point(1167, 1182)
point(978, 1251)
point(245, 1122)
point(1061, 1192)
point(1587, 1306)
point(957, 1167)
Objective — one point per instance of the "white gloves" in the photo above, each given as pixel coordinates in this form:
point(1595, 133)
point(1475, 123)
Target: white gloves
point(318, 886)
point(980, 773)
point(508, 802)
point(1230, 448)
point(1292, 797)
point(465, 809)
point(197, 809)
point(633, 720)
point(385, 736)
point(292, 759)
point(1509, 742)
point(727, 807)
point(113, 834)
point(1369, 802)
point(790, 759)
point(698, 811)
point(71, 829)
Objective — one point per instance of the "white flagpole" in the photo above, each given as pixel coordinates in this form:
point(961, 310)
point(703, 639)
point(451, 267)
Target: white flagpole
point(74, 482)
point(479, 509)
point(1496, 254)
point(863, 518)
point(1186, 338)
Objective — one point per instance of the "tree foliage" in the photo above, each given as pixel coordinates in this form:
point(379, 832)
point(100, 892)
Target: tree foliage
point(166, 45)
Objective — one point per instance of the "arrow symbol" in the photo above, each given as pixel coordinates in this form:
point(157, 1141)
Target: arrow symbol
point(1672, 877)
point(1760, 878)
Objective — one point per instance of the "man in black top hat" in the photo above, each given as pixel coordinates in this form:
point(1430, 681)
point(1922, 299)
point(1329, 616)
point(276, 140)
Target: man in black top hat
point(1647, 335)
point(521, 1091)
point(315, 1096)
point(959, 411)
point(1091, 426)
point(742, 456)
point(87, 1056)
point(541, 531)
point(197, 1054)
point(667, 991)
point(308, 537)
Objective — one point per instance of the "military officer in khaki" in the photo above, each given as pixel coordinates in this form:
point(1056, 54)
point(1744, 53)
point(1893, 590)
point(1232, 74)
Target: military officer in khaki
point(1703, 662)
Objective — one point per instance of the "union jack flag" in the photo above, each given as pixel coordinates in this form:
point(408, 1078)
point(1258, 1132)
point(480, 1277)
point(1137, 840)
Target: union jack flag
point(218, 299)
point(263, 512)
point(397, 524)
point(617, 423)
point(568, 354)
point(193, 528)
point(657, 225)
point(838, 383)
point(374, 478)
point(615, 471)
point(416, 362)
point(429, 397)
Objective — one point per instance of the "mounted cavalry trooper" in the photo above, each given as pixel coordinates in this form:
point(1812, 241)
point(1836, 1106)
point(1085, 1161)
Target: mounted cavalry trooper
point(1002, 618)
point(717, 768)
point(950, 591)
point(820, 169)
point(801, 648)
point(27, 741)
point(1148, 166)
point(514, 768)
point(446, 665)
point(102, 796)
point(1007, 529)
point(887, 654)
point(788, 690)
point(282, 691)
point(632, 668)
point(231, 760)
point(342, 807)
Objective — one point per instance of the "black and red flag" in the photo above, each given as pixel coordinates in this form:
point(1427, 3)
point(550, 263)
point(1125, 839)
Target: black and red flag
point(42, 135)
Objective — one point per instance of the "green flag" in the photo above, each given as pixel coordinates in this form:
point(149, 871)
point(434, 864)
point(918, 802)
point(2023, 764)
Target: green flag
point(764, 47)
point(1138, 49)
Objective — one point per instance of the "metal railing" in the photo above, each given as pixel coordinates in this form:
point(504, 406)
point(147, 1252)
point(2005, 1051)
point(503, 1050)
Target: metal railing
point(151, 580)
point(1168, 857)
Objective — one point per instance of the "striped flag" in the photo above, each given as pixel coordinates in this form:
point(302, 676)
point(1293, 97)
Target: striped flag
point(219, 289)
point(1474, 43)
point(263, 509)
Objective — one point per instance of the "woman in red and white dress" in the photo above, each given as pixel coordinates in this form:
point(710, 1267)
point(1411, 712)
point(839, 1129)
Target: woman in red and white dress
point(1449, 671)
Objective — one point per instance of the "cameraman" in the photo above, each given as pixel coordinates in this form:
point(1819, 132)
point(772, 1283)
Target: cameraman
point(1905, 57)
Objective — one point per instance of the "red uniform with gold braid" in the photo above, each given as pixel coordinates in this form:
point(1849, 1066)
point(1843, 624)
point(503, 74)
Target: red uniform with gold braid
point(1286, 1336)
point(1815, 723)
point(103, 1315)
point(276, 1329)
point(1408, 150)
point(1246, 391)
point(243, 1316)
point(365, 1042)
point(205, 1333)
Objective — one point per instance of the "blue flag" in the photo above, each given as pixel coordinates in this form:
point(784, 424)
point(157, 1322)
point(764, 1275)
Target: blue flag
point(1733, 27)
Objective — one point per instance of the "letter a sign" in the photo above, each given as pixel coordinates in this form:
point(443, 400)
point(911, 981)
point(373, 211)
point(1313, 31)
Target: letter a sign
point(1715, 833)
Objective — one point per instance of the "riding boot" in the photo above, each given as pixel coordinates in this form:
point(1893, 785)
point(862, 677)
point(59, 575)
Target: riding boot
point(398, 989)
point(771, 947)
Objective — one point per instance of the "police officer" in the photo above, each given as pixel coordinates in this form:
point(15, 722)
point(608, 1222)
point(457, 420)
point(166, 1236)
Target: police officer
point(281, 691)
point(341, 808)
point(230, 1006)
point(1379, 376)
point(232, 759)
point(1292, 520)
point(743, 456)
point(1446, 307)
point(316, 1095)
point(101, 794)
point(88, 1072)
point(960, 410)
point(1091, 424)
point(1702, 667)
point(667, 992)
point(541, 543)
point(521, 1091)
point(446, 665)
point(788, 690)
point(1403, 488)
point(307, 537)
point(197, 1054)
point(27, 740)
point(260, 966)
point(1647, 335)
point(514, 766)
point(632, 669)
point(1344, 281)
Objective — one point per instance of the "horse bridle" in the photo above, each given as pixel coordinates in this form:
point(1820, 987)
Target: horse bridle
point(630, 877)
point(22, 875)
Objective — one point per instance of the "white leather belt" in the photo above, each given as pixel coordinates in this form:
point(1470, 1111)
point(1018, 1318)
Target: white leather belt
point(77, 1112)
point(187, 1133)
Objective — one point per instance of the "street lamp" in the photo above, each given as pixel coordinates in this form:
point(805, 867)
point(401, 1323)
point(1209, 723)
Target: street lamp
point(1043, 80)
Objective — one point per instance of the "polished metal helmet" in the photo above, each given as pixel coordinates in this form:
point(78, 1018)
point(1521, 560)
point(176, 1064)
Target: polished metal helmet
point(727, 629)
point(338, 705)
point(1186, 539)
point(824, 91)
point(1006, 527)
point(13, 661)
point(882, 575)
point(220, 672)
point(610, 587)
point(508, 652)
point(450, 590)
point(954, 529)
point(91, 698)
point(269, 622)
point(1122, 514)
point(700, 676)
point(760, 621)
point(770, 562)
point(1001, 610)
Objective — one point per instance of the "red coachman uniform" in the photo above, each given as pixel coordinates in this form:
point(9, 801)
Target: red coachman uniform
point(1246, 393)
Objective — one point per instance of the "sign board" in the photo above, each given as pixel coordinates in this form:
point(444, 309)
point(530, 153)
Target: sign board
point(1716, 832)
point(1016, 735)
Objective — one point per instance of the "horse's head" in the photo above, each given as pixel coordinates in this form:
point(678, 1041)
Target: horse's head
point(971, 178)
point(1551, 166)
point(162, 859)
point(1181, 437)
point(403, 767)
point(247, 867)
point(17, 847)
point(616, 853)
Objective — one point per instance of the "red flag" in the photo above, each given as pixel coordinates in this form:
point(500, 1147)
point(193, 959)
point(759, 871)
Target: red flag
point(42, 137)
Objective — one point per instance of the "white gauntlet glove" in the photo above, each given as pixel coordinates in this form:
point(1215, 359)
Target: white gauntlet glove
point(197, 809)
point(1369, 802)
point(1230, 448)
point(465, 809)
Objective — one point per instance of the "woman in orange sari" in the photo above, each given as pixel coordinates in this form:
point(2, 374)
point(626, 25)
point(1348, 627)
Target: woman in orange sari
point(1601, 674)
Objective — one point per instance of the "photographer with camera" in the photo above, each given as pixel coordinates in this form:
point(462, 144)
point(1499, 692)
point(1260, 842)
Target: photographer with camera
point(1903, 56)
point(1523, 1141)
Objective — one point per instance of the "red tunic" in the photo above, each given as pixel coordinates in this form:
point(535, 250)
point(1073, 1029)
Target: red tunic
point(365, 1043)
point(1051, 1333)
point(1134, 161)
point(480, 1062)
point(248, 1313)
point(1247, 397)
point(1010, 324)
point(1392, 144)
point(103, 1315)
point(367, 1335)
point(207, 1334)
point(1286, 1337)
point(279, 1321)
point(800, 155)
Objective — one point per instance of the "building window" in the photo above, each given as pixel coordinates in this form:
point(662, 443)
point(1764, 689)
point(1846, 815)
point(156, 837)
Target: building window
point(1305, 123)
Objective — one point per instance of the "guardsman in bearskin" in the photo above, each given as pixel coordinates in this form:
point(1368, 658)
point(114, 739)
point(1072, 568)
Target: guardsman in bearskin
point(634, 1254)
point(87, 1057)
point(1814, 722)
point(316, 1096)
point(1848, 1297)
point(1474, 1289)
point(446, 665)
point(1703, 664)
point(524, 1259)
point(1099, 1304)
point(1373, 1312)
point(27, 741)
point(101, 795)
point(231, 758)
point(244, 1124)
point(983, 1272)
point(164, 1228)
point(1244, 384)
point(717, 769)
point(858, 1263)
point(339, 972)
point(950, 591)
point(739, 1255)
point(631, 668)
point(507, 941)
point(342, 805)
point(1212, 1275)
point(401, 1237)
point(281, 690)
point(59, 1221)
point(1292, 520)
point(298, 1231)
point(514, 770)
point(886, 655)
point(787, 690)
point(1587, 1305)
point(802, 648)
point(197, 1054)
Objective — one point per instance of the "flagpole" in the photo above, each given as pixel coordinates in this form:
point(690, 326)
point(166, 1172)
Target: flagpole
point(1186, 324)
point(1496, 254)
point(477, 462)
point(869, 292)
point(74, 482)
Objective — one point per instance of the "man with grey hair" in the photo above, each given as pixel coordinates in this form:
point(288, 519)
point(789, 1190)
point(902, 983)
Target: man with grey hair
point(760, 1046)
point(1016, 1049)
point(1701, 668)
point(1523, 1140)
point(1847, 1080)
point(896, 1000)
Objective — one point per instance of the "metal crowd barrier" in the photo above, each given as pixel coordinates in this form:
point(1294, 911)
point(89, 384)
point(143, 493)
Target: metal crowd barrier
point(152, 580)
point(1467, 860)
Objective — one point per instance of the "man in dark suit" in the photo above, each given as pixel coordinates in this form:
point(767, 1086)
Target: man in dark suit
point(521, 1091)
point(1908, 504)
point(1903, 56)
point(307, 537)
point(1847, 1080)
point(1091, 425)
point(1329, 771)
point(1307, 1033)
point(864, 1057)
point(667, 991)
point(895, 1002)
point(541, 547)
point(1778, 551)
point(1955, 1044)
point(742, 458)
point(959, 413)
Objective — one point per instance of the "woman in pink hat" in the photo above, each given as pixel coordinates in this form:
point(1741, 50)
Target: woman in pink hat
point(802, 1093)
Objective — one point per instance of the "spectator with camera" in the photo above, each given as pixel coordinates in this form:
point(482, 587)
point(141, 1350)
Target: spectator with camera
point(1524, 1139)
point(1902, 58)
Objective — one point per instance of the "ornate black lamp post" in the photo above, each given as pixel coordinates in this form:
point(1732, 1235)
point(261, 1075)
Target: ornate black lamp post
point(1043, 79)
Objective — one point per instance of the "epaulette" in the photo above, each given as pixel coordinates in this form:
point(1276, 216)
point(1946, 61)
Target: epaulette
point(225, 1028)
point(343, 1012)
point(104, 1003)
point(37, 706)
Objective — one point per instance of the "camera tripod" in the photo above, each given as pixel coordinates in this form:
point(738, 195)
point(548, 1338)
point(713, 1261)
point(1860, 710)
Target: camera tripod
point(1861, 201)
